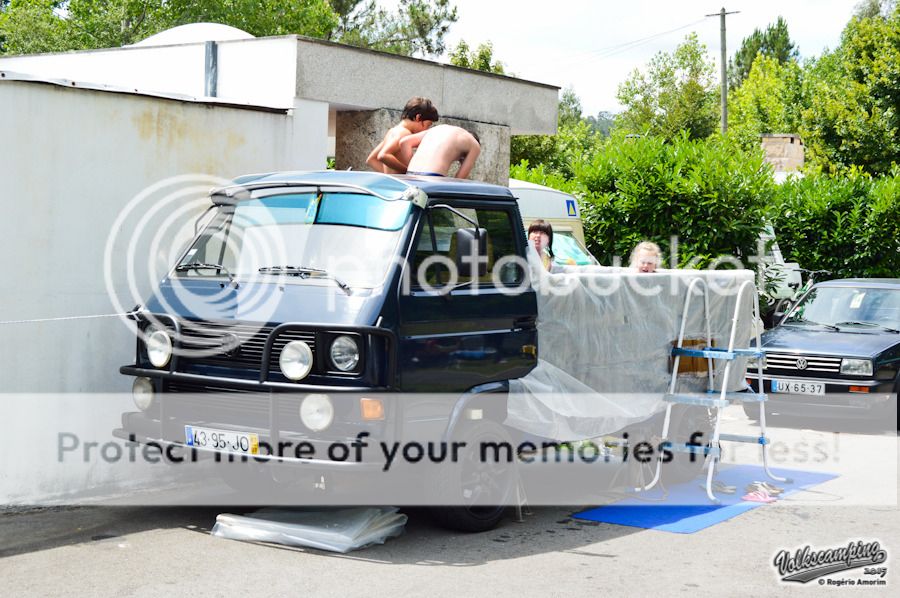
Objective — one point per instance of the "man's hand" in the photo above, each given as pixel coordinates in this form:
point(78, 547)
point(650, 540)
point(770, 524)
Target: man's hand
point(372, 161)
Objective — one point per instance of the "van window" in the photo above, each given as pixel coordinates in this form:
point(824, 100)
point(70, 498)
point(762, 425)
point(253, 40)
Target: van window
point(437, 238)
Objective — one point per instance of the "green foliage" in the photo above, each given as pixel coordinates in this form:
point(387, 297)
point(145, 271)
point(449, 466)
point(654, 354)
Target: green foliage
point(852, 99)
point(678, 92)
point(775, 42)
point(415, 27)
point(575, 138)
point(710, 193)
point(479, 59)
point(849, 224)
point(769, 101)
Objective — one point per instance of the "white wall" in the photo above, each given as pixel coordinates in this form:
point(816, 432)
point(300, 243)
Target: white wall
point(257, 71)
point(71, 161)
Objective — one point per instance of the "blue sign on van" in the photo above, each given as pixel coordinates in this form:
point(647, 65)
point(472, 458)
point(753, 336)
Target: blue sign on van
point(570, 207)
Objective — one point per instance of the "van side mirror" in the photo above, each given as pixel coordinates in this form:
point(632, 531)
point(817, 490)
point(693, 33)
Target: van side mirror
point(471, 248)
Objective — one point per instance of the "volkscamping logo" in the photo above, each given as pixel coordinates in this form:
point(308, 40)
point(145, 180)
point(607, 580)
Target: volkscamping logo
point(806, 564)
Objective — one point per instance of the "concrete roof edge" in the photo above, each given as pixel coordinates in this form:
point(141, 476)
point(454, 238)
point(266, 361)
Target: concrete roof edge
point(325, 42)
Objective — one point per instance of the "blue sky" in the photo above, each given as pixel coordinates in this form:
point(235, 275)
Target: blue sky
point(578, 42)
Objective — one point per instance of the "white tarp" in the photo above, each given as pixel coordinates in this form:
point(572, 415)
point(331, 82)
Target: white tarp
point(605, 338)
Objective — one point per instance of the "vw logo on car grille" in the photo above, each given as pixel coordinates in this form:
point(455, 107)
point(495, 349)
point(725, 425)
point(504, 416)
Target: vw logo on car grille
point(801, 364)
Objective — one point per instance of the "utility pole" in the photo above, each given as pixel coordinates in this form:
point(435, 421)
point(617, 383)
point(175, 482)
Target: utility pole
point(724, 70)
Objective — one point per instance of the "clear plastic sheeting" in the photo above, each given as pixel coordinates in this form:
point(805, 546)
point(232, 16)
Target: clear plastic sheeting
point(605, 340)
point(334, 530)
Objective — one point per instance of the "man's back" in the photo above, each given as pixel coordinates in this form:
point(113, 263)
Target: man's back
point(441, 146)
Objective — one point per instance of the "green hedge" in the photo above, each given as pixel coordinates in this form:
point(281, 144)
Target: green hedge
point(849, 225)
point(710, 193)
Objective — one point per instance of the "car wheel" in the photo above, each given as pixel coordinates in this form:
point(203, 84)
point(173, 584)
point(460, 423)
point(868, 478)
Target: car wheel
point(482, 489)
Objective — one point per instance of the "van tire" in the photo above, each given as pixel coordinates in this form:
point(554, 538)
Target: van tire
point(471, 475)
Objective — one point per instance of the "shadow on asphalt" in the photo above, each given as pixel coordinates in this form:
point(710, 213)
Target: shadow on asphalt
point(545, 529)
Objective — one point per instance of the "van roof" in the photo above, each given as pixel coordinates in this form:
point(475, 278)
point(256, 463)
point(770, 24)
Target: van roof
point(383, 185)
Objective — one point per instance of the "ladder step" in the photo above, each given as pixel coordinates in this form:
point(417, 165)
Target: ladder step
point(696, 399)
point(713, 353)
point(744, 438)
point(683, 447)
point(741, 397)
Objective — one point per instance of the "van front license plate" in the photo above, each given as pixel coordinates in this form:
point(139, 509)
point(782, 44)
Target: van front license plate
point(798, 387)
point(222, 440)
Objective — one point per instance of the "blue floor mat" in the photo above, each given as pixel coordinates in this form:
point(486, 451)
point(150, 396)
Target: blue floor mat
point(686, 509)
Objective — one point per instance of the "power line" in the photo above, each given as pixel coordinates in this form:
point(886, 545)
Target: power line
point(591, 55)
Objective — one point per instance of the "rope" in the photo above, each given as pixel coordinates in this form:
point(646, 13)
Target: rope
point(66, 318)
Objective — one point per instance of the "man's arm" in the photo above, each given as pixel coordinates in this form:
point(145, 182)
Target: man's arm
point(372, 161)
point(466, 167)
point(408, 144)
point(389, 151)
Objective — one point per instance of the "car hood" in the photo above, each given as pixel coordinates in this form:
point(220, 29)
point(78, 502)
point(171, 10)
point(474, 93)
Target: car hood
point(266, 302)
point(819, 341)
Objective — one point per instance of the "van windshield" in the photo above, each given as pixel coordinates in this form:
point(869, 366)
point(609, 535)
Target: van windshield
point(848, 308)
point(350, 237)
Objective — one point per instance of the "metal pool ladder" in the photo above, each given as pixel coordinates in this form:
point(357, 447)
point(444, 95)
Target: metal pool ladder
point(715, 399)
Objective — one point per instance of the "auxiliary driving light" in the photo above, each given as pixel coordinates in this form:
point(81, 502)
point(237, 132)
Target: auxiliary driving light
point(316, 412)
point(296, 360)
point(344, 353)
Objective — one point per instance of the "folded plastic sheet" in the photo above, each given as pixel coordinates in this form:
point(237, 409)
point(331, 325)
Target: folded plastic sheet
point(605, 340)
point(335, 530)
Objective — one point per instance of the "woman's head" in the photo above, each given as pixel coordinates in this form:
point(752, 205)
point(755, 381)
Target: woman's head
point(541, 234)
point(646, 256)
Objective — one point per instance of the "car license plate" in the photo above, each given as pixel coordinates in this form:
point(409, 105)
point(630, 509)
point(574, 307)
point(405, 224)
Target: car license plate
point(222, 440)
point(798, 387)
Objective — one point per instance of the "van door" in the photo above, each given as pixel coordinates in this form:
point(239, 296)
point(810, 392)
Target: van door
point(461, 331)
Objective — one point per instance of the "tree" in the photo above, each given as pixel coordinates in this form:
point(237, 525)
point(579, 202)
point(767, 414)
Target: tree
point(852, 114)
point(574, 139)
point(775, 42)
point(678, 92)
point(417, 26)
point(874, 8)
point(768, 101)
point(480, 59)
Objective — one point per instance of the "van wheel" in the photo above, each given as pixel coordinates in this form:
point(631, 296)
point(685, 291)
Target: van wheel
point(482, 489)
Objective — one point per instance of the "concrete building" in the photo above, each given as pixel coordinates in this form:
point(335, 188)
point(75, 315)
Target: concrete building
point(107, 156)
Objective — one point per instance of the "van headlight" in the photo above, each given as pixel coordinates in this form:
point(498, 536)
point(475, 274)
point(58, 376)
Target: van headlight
point(296, 360)
point(142, 393)
point(159, 346)
point(856, 367)
point(344, 353)
point(316, 412)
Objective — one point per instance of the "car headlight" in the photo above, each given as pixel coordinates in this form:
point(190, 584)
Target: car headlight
point(755, 363)
point(856, 367)
point(296, 360)
point(316, 412)
point(344, 353)
point(159, 347)
point(142, 393)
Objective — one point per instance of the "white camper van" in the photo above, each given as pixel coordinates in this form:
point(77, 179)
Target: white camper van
point(562, 212)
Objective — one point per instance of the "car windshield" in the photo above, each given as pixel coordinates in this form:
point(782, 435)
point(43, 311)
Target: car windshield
point(861, 308)
point(347, 237)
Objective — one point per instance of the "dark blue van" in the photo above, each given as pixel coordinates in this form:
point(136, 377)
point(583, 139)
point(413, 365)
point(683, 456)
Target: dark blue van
point(836, 353)
point(305, 291)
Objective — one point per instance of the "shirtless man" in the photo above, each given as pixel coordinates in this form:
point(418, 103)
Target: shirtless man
point(418, 115)
point(438, 148)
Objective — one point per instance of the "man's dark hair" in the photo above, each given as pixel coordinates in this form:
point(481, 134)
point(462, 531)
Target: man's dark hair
point(421, 107)
point(542, 226)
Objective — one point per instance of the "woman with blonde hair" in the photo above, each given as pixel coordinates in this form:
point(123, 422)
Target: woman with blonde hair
point(646, 256)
